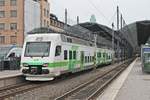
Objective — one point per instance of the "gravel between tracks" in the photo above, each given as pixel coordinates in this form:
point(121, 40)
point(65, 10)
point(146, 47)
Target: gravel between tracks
point(53, 90)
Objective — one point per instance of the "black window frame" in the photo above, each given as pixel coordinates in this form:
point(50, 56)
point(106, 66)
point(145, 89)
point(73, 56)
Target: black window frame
point(70, 55)
point(74, 55)
point(65, 55)
point(88, 58)
point(25, 55)
point(58, 53)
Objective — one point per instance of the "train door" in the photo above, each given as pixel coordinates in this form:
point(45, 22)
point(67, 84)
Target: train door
point(72, 59)
point(82, 59)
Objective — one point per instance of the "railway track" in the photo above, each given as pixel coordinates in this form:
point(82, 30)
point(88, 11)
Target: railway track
point(12, 91)
point(93, 88)
point(9, 91)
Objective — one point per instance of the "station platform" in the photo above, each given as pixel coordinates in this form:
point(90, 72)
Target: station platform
point(10, 77)
point(9, 73)
point(132, 84)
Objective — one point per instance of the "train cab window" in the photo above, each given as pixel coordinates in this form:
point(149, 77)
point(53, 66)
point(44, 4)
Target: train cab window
point(70, 55)
point(58, 51)
point(74, 54)
point(65, 54)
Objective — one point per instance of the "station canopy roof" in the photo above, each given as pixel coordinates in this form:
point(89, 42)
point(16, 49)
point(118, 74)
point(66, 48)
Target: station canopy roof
point(101, 30)
point(143, 31)
point(138, 32)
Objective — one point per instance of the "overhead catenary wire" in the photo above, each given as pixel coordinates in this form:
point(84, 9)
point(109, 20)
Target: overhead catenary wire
point(100, 12)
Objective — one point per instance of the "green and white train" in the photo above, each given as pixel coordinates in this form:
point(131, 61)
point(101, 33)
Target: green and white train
point(48, 55)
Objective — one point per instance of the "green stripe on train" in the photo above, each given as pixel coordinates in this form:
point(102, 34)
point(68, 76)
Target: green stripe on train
point(54, 64)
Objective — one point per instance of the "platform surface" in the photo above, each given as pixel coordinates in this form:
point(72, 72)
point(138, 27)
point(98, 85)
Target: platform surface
point(132, 84)
point(9, 73)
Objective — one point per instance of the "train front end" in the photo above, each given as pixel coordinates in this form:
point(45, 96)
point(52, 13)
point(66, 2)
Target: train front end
point(36, 58)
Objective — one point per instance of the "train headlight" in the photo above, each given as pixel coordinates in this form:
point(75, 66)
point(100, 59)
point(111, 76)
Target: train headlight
point(45, 65)
point(25, 65)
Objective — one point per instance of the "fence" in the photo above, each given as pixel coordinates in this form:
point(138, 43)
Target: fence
point(10, 64)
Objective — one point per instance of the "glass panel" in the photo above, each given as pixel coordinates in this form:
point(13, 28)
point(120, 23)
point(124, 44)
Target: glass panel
point(65, 55)
point(147, 57)
point(13, 2)
point(13, 26)
point(37, 49)
point(70, 55)
point(2, 26)
point(58, 51)
point(2, 2)
point(13, 13)
point(2, 14)
point(74, 55)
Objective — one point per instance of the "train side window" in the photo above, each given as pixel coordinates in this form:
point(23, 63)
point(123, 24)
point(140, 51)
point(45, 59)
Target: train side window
point(93, 58)
point(88, 59)
point(100, 55)
point(69, 40)
point(85, 59)
point(97, 54)
point(70, 55)
point(103, 54)
point(65, 54)
point(74, 54)
point(58, 50)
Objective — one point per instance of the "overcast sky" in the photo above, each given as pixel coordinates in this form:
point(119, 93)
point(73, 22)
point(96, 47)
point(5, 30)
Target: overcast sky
point(104, 10)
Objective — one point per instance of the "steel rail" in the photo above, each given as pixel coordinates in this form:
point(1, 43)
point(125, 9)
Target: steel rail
point(82, 86)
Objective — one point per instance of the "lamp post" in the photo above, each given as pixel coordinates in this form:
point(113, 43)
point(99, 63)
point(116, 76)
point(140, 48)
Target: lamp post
point(113, 48)
point(95, 44)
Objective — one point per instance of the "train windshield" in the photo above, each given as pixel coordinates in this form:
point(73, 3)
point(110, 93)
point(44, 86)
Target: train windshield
point(147, 57)
point(37, 49)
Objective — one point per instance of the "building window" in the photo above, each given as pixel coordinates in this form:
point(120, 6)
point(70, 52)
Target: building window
point(2, 14)
point(2, 39)
point(13, 13)
point(13, 2)
point(13, 26)
point(2, 26)
point(13, 39)
point(2, 2)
